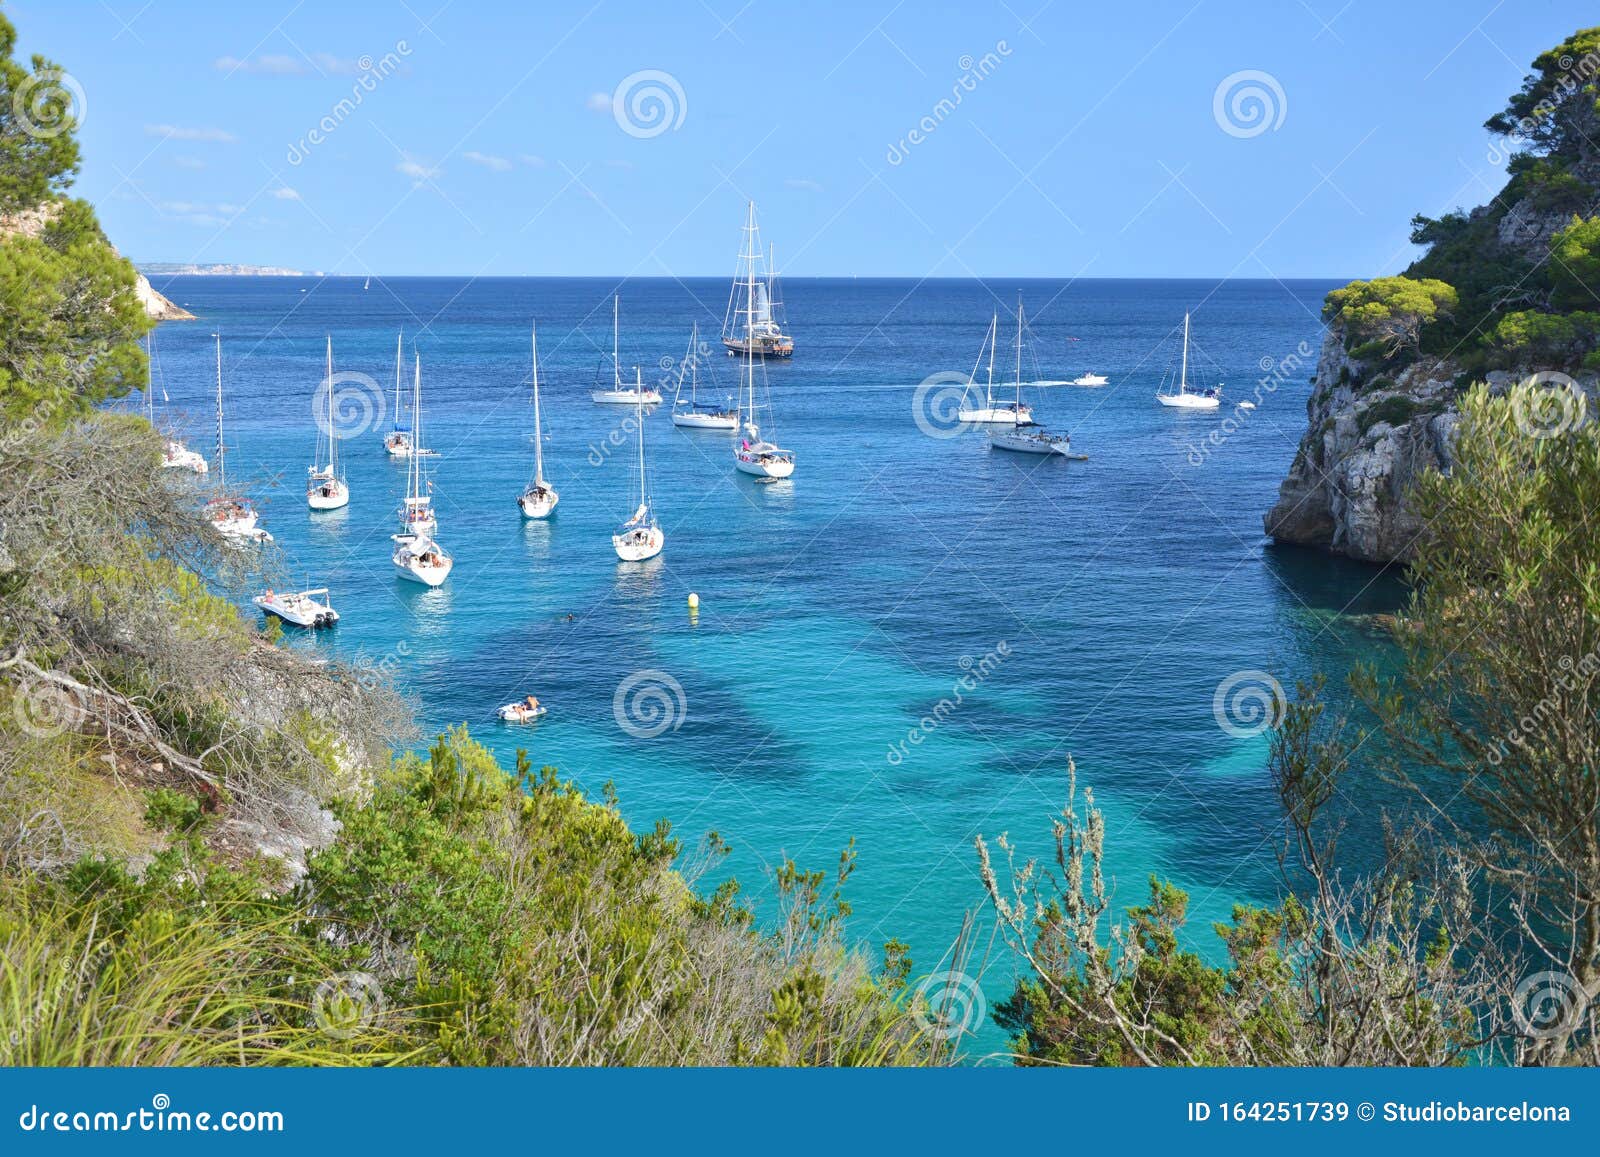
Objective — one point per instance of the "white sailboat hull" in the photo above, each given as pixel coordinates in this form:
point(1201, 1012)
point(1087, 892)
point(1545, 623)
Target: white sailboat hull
point(397, 444)
point(538, 503)
point(180, 457)
point(695, 420)
point(421, 560)
point(626, 397)
point(769, 464)
point(329, 495)
point(980, 415)
point(638, 545)
point(1188, 401)
point(1022, 442)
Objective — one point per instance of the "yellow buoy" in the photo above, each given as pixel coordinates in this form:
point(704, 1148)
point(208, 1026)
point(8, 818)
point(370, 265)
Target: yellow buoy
point(694, 601)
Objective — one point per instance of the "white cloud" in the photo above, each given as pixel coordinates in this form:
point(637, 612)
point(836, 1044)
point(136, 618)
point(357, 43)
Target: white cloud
point(201, 212)
point(181, 133)
point(805, 183)
point(416, 170)
point(598, 102)
point(284, 193)
point(488, 161)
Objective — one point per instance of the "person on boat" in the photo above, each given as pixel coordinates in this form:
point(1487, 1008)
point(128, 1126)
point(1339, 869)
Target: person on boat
point(533, 703)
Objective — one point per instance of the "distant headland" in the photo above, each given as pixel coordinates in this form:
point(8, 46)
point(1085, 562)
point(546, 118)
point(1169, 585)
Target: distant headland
point(172, 268)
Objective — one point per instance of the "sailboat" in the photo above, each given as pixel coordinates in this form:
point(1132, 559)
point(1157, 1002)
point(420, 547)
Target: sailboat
point(398, 440)
point(417, 556)
point(367, 284)
point(1014, 414)
point(753, 298)
point(618, 395)
point(693, 415)
point(231, 514)
point(1020, 438)
point(1185, 398)
point(640, 537)
point(540, 498)
point(174, 454)
point(754, 454)
point(326, 488)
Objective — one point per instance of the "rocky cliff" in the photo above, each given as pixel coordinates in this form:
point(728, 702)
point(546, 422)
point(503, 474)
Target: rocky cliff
point(33, 222)
point(157, 305)
point(1365, 444)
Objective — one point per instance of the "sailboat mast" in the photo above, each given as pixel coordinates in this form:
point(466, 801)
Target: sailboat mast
point(416, 433)
point(616, 363)
point(1016, 417)
point(1183, 374)
point(694, 367)
point(639, 415)
point(222, 448)
point(538, 434)
point(750, 311)
point(994, 332)
point(399, 338)
point(333, 438)
point(149, 382)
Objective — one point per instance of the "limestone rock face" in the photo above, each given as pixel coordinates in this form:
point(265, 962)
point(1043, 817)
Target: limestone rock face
point(157, 305)
point(32, 222)
point(1365, 447)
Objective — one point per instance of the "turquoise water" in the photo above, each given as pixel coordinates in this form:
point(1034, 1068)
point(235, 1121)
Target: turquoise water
point(839, 608)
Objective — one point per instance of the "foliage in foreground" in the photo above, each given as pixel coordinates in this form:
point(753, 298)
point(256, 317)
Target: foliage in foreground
point(465, 915)
point(1479, 938)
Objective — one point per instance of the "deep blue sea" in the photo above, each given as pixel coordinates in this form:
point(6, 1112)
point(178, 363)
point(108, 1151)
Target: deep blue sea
point(836, 609)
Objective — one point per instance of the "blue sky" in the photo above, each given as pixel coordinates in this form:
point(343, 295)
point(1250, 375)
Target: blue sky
point(1088, 140)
